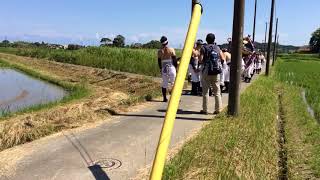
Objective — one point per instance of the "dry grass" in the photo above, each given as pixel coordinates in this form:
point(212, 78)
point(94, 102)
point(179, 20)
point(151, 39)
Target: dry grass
point(109, 91)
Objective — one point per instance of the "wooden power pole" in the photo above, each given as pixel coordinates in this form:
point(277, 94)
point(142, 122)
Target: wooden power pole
point(193, 2)
point(236, 57)
point(270, 39)
point(275, 44)
point(254, 21)
point(265, 39)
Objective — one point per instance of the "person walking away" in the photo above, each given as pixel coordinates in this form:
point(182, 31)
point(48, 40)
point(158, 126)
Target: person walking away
point(249, 66)
point(211, 56)
point(260, 61)
point(194, 68)
point(167, 62)
point(226, 70)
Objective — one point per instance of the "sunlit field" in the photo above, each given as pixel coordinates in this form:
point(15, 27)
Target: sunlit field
point(139, 61)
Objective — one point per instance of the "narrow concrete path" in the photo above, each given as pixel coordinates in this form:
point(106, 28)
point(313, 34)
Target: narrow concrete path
point(126, 144)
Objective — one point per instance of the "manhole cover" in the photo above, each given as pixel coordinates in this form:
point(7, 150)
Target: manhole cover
point(108, 163)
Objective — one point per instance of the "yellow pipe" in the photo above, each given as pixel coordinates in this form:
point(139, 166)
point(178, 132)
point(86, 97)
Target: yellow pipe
point(165, 137)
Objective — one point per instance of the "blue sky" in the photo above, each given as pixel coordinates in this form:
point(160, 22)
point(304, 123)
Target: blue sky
point(84, 22)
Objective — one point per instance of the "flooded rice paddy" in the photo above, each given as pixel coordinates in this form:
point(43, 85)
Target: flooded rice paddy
point(19, 91)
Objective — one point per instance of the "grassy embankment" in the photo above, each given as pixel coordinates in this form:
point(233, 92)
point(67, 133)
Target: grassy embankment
point(299, 73)
point(246, 147)
point(75, 91)
point(139, 61)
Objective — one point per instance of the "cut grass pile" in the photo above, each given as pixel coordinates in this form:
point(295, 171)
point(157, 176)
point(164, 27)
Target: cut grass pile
point(139, 61)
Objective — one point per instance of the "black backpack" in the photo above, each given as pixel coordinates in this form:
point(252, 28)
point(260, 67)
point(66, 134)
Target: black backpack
point(212, 60)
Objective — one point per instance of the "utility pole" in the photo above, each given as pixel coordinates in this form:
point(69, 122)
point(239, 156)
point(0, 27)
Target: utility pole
point(277, 47)
point(236, 57)
point(270, 38)
point(254, 21)
point(265, 39)
point(275, 44)
point(193, 2)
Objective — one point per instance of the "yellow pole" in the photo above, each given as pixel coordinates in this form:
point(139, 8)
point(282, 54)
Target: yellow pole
point(167, 127)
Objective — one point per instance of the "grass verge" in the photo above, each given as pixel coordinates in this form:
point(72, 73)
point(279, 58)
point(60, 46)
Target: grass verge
point(244, 147)
point(303, 136)
point(74, 91)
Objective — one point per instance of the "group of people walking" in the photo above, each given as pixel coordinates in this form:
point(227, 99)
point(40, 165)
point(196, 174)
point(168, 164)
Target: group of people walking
point(209, 68)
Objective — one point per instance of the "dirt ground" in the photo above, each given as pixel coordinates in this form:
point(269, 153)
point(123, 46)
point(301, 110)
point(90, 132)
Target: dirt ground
point(110, 91)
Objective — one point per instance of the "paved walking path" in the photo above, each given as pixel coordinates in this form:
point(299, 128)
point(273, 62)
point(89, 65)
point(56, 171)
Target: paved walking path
point(129, 140)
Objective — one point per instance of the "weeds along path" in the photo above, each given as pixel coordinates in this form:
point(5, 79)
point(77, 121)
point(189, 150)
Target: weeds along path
point(282, 151)
point(109, 91)
point(244, 147)
point(296, 73)
point(302, 136)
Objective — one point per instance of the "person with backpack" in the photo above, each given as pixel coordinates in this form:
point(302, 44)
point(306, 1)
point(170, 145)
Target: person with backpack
point(167, 62)
point(211, 57)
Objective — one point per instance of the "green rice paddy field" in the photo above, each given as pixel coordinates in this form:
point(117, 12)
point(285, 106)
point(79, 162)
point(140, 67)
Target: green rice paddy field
point(139, 61)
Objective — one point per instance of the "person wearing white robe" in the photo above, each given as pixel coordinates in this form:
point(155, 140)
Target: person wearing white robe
point(226, 70)
point(249, 67)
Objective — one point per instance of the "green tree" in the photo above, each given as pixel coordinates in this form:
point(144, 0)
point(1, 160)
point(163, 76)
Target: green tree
point(154, 44)
point(315, 41)
point(5, 43)
point(119, 41)
point(106, 41)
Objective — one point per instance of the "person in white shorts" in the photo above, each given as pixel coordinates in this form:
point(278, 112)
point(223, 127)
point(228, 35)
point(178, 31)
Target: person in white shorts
point(194, 68)
point(226, 70)
point(249, 67)
point(260, 61)
point(167, 62)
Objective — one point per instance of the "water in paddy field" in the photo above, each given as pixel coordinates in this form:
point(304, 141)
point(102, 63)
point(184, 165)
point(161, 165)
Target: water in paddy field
point(18, 91)
point(309, 108)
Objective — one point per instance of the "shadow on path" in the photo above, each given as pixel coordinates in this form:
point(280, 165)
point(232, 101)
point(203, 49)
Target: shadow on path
point(162, 117)
point(96, 170)
point(180, 111)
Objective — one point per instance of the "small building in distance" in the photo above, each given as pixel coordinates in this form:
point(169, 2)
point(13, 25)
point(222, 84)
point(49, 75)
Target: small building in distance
point(304, 49)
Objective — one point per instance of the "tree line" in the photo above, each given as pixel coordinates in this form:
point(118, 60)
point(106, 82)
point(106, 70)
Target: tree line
point(119, 41)
point(315, 41)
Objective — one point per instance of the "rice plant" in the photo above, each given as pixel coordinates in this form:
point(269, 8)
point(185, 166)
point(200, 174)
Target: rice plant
point(302, 71)
point(139, 61)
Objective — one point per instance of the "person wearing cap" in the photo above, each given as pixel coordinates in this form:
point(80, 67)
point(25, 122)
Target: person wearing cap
point(194, 68)
point(167, 62)
point(211, 53)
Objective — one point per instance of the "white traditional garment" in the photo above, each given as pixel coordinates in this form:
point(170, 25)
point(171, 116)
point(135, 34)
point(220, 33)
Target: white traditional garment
point(168, 73)
point(226, 67)
point(195, 76)
point(261, 60)
point(200, 73)
point(249, 69)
